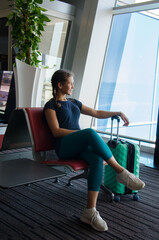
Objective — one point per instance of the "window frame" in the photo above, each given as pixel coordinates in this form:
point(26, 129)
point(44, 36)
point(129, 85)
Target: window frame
point(131, 8)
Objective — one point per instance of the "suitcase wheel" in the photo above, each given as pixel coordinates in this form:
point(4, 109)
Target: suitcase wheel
point(116, 198)
point(136, 197)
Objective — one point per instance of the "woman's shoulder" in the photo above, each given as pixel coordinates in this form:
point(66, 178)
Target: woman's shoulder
point(75, 101)
point(50, 104)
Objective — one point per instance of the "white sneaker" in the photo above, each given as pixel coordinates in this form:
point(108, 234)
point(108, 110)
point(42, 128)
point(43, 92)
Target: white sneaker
point(91, 216)
point(130, 180)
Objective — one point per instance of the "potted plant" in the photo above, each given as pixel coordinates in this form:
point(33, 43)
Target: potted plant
point(27, 20)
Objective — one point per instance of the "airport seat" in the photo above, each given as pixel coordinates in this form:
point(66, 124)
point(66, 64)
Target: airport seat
point(17, 166)
point(1, 140)
point(26, 128)
point(43, 140)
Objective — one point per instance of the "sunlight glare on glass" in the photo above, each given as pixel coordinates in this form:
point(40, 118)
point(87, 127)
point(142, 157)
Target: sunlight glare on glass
point(152, 13)
point(127, 2)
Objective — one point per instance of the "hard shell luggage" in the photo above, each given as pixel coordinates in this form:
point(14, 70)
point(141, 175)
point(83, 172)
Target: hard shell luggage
point(127, 155)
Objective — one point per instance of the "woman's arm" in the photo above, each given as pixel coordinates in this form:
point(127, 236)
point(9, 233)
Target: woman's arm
point(103, 114)
point(54, 125)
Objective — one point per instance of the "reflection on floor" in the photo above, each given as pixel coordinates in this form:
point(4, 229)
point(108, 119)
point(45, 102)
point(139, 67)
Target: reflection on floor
point(148, 160)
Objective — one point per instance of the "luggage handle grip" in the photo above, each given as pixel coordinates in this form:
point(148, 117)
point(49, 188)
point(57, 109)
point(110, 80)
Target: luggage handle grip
point(115, 117)
point(118, 120)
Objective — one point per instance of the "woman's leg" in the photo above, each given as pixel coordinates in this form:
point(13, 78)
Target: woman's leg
point(88, 145)
point(115, 165)
point(95, 174)
point(90, 214)
point(75, 143)
point(92, 199)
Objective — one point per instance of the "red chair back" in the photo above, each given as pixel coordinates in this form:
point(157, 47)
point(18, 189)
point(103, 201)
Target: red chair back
point(42, 136)
point(1, 140)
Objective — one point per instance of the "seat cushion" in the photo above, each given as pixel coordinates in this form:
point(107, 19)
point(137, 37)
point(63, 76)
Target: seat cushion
point(75, 164)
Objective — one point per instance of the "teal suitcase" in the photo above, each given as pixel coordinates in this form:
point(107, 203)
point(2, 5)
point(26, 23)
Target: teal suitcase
point(127, 155)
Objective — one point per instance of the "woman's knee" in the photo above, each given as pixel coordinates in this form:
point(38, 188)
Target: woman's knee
point(90, 132)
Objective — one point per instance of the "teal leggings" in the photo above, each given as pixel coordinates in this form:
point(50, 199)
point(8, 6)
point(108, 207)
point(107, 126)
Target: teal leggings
point(88, 145)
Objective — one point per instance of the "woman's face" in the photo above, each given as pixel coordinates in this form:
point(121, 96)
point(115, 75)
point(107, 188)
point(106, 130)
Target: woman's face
point(68, 86)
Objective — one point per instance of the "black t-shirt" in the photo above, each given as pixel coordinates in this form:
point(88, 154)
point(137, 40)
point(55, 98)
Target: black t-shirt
point(67, 114)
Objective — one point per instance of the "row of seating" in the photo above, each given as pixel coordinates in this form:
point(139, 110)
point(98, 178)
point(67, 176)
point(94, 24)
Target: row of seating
point(26, 128)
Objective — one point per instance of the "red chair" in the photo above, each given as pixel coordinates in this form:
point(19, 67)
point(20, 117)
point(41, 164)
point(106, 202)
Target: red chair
point(1, 140)
point(16, 160)
point(27, 129)
point(43, 141)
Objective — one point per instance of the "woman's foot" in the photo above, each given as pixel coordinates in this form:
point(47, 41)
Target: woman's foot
point(130, 180)
point(91, 216)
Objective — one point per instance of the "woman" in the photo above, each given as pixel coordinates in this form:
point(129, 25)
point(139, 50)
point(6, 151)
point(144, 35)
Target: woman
point(62, 116)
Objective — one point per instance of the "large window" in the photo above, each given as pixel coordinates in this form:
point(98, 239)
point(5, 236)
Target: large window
point(130, 79)
point(52, 47)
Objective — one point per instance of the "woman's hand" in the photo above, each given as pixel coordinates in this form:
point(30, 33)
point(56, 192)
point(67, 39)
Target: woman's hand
point(124, 118)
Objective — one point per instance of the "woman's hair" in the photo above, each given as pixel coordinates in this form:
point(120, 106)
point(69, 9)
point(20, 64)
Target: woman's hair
point(59, 76)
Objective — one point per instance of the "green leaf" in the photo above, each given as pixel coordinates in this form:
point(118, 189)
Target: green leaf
point(39, 1)
point(27, 20)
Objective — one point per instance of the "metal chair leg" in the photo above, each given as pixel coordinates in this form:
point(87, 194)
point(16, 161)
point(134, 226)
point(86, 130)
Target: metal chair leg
point(109, 194)
point(82, 175)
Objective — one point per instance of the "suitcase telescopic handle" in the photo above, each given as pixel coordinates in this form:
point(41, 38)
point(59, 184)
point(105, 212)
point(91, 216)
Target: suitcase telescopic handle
point(118, 121)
